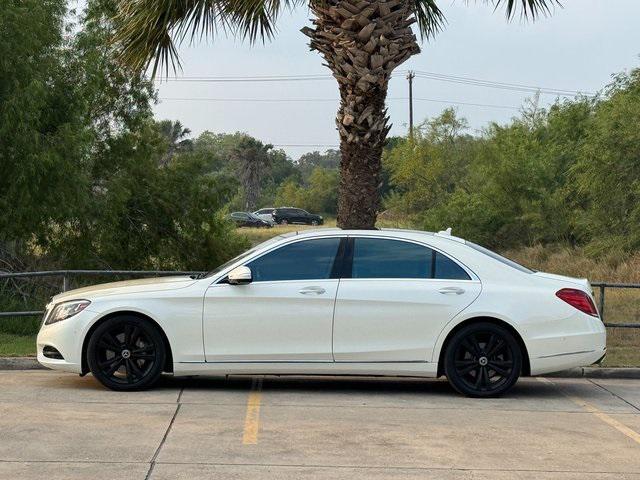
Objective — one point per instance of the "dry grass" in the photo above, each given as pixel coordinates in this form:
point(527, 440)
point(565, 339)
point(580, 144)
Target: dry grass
point(575, 263)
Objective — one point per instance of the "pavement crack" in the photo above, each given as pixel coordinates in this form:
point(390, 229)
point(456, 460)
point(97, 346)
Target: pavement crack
point(180, 395)
point(152, 464)
point(614, 394)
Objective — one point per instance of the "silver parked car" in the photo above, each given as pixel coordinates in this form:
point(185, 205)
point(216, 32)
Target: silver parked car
point(265, 214)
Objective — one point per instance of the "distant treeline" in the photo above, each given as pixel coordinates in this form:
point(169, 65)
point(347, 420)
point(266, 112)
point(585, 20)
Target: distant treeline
point(568, 174)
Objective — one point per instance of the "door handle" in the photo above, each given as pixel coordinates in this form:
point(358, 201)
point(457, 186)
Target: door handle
point(312, 291)
point(451, 291)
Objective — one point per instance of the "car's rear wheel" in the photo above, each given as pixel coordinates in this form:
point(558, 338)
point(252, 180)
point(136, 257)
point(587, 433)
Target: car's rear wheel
point(126, 353)
point(284, 221)
point(483, 360)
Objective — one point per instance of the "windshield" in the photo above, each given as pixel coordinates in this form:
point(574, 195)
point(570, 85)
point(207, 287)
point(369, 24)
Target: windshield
point(243, 255)
point(499, 258)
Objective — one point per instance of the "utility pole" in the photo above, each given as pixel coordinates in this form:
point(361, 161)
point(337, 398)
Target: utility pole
point(410, 77)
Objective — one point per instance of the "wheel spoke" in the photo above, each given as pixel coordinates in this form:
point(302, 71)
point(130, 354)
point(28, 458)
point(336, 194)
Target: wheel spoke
point(464, 363)
point(499, 344)
point(143, 356)
point(135, 333)
point(465, 370)
point(145, 349)
point(110, 340)
point(498, 370)
point(489, 345)
point(471, 348)
point(107, 345)
point(127, 334)
point(115, 366)
point(134, 367)
point(108, 363)
point(478, 377)
point(128, 369)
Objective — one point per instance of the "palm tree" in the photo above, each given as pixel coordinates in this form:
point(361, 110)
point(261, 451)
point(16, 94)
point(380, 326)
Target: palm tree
point(362, 42)
point(253, 161)
point(175, 134)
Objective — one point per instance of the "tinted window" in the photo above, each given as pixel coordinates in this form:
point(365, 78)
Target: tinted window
point(447, 269)
point(382, 258)
point(378, 258)
point(306, 260)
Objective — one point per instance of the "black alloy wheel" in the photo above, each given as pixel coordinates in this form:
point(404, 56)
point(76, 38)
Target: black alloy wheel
point(483, 360)
point(126, 353)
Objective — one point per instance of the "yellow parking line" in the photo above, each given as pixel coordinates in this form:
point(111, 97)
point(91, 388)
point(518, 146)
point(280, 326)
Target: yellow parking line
point(252, 418)
point(622, 428)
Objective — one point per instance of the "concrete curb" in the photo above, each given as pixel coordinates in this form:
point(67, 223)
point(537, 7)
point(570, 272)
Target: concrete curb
point(597, 372)
point(20, 363)
point(30, 363)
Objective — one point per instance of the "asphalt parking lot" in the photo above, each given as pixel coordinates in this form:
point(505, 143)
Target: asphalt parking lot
point(60, 426)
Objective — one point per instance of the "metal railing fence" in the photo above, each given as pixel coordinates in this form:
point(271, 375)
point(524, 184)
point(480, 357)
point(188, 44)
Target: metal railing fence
point(65, 275)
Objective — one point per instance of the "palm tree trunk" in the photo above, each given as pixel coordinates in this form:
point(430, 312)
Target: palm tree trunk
point(362, 41)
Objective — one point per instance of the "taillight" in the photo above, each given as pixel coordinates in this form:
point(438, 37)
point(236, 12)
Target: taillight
point(578, 299)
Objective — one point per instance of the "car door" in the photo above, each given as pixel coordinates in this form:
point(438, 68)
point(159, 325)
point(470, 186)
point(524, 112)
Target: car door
point(399, 297)
point(299, 215)
point(285, 313)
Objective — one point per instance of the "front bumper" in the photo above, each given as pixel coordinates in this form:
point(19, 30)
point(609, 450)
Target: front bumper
point(66, 337)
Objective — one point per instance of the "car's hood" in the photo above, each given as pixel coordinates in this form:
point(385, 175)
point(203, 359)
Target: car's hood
point(128, 286)
point(581, 282)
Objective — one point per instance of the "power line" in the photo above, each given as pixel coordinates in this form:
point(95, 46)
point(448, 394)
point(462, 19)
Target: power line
point(322, 145)
point(500, 85)
point(333, 100)
point(464, 80)
point(240, 79)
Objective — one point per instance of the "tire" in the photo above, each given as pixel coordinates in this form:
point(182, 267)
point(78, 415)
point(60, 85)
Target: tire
point(483, 360)
point(284, 221)
point(126, 353)
point(314, 223)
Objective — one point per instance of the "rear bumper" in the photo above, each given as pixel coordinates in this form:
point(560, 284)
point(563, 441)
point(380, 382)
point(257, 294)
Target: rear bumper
point(566, 361)
point(576, 341)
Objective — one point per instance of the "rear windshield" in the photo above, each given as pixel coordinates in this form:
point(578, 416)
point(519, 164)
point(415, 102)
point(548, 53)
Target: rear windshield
point(500, 258)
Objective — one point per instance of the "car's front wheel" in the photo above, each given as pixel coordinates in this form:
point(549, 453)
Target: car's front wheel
point(483, 360)
point(126, 353)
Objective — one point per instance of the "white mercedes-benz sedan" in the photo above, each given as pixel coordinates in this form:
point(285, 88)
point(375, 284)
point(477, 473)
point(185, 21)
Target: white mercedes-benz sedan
point(333, 302)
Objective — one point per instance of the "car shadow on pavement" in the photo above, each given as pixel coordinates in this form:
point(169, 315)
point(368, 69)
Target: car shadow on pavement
point(319, 385)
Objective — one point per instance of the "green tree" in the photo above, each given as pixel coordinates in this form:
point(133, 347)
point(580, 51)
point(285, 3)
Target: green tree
point(361, 42)
point(43, 134)
point(318, 195)
point(607, 175)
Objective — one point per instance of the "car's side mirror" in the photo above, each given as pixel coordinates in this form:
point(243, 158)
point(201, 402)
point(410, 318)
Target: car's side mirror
point(240, 276)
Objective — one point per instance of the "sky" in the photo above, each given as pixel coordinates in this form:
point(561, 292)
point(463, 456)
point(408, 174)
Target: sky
point(577, 48)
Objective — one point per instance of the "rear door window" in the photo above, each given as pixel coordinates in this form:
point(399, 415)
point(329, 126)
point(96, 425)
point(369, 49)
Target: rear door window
point(389, 258)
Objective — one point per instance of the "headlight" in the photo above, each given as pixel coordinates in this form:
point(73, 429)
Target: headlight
point(65, 310)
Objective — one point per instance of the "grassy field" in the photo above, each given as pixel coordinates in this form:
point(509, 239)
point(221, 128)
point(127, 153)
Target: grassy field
point(621, 306)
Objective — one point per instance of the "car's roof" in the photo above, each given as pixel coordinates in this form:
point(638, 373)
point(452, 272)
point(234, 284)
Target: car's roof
point(385, 232)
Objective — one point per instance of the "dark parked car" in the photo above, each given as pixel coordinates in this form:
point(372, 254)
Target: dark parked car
point(287, 215)
point(246, 219)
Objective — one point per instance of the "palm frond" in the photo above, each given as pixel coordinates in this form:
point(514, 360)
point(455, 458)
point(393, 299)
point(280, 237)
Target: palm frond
point(528, 8)
point(429, 17)
point(149, 30)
